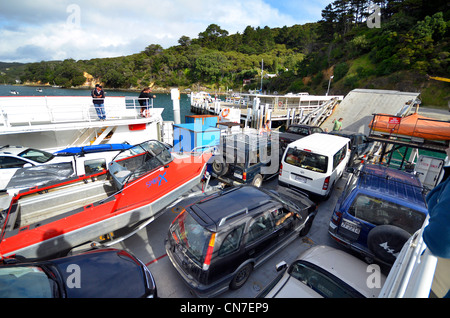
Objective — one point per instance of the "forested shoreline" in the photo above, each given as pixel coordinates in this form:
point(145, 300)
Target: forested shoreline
point(411, 43)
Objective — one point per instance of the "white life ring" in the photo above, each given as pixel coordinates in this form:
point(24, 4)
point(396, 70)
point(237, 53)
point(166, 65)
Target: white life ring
point(146, 113)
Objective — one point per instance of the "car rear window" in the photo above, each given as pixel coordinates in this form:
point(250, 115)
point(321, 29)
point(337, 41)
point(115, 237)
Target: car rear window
point(191, 235)
point(378, 212)
point(307, 160)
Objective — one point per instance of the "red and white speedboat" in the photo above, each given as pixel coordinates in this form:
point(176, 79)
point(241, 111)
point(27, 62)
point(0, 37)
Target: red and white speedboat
point(139, 184)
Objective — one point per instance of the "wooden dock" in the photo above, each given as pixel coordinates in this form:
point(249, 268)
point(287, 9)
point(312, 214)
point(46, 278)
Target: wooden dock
point(255, 109)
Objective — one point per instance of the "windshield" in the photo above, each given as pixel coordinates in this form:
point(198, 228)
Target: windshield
point(191, 235)
point(143, 158)
point(36, 155)
point(298, 130)
point(307, 160)
point(321, 281)
point(378, 212)
point(25, 282)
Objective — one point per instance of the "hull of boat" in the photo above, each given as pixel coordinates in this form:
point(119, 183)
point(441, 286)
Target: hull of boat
point(412, 125)
point(137, 201)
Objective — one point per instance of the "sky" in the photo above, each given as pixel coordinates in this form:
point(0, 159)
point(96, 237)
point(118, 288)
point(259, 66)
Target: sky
point(47, 30)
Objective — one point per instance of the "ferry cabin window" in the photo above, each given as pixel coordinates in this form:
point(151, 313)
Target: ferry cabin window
point(307, 160)
point(379, 212)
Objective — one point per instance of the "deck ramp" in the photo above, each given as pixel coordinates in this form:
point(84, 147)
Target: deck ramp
point(357, 107)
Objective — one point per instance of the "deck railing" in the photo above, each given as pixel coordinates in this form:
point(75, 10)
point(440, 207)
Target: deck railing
point(28, 111)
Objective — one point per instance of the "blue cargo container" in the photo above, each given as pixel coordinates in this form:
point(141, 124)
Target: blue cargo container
point(186, 137)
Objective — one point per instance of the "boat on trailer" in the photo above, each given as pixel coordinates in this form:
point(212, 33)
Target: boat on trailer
point(140, 183)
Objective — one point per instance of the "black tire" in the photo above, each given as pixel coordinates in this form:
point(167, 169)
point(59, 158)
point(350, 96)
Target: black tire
point(257, 180)
point(386, 241)
point(219, 168)
point(241, 276)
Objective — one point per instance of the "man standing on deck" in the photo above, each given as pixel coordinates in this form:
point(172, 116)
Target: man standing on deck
point(144, 100)
point(337, 124)
point(98, 98)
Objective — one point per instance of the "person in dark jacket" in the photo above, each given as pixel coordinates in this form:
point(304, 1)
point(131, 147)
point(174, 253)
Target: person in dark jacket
point(437, 233)
point(144, 100)
point(98, 98)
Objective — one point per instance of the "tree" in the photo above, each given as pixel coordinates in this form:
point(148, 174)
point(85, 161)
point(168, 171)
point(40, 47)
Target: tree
point(185, 41)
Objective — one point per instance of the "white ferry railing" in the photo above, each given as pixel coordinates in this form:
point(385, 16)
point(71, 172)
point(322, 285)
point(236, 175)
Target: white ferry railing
point(412, 274)
point(29, 111)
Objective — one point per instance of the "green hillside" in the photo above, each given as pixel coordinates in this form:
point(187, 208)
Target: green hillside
point(411, 42)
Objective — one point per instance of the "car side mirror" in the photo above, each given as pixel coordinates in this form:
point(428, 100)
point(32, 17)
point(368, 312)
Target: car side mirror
point(350, 169)
point(281, 266)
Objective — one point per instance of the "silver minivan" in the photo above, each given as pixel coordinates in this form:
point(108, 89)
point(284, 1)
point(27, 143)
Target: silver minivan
point(315, 163)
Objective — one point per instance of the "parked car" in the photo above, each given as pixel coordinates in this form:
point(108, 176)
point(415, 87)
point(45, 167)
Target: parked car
point(324, 271)
point(215, 243)
point(246, 159)
point(379, 209)
point(315, 163)
point(360, 146)
point(295, 132)
point(13, 158)
point(86, 160)
point(102, 273)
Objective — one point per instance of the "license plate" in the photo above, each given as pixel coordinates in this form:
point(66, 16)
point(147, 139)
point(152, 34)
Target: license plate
point(237, 175)
point(300, 179)
point(352, 227)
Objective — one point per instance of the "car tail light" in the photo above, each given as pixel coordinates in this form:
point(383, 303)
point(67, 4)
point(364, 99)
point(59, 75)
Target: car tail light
point(209, 252)
point(244, 176)
point(281, 169)
point(326, 183)
point(336, 217)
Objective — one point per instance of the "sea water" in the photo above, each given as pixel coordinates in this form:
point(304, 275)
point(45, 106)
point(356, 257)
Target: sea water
point(161, 100)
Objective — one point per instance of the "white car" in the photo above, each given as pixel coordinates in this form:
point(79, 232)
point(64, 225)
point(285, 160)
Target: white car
point(323, 271)
point(13, 158)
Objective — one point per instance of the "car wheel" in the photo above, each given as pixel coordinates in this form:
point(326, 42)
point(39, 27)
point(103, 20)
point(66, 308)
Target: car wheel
point(241, 276)
point(386, 241)
point(257, 180)
point(307, 226)
point(219, 168)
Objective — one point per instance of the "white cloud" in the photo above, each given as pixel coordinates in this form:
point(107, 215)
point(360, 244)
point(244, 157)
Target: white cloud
point(50, 30)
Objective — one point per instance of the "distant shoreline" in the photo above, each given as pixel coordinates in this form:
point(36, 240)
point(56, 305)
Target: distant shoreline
point(156, 90)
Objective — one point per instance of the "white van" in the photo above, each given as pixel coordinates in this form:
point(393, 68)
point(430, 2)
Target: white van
point(314, 163)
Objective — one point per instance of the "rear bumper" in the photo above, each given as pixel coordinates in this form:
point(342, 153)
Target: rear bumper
point(199, 290)
point(333, 231)
point(309, 192)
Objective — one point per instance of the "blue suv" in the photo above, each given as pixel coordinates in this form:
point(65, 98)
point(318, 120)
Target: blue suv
point(379, 209)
